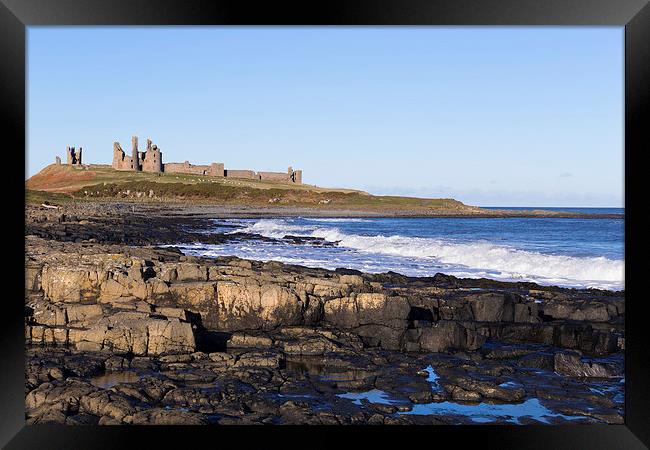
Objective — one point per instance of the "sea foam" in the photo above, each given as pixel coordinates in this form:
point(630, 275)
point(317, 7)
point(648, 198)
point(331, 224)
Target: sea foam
point(473, 259)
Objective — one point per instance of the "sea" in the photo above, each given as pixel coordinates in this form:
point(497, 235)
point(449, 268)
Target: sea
point(567, 252)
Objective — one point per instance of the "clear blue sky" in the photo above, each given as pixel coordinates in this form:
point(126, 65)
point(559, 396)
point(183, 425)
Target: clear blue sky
point(503, 116)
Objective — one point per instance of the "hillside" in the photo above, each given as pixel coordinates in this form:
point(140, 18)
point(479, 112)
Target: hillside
point(102, 183)
point(69, 179)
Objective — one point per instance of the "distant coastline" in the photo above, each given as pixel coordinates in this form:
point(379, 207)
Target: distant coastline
point(568, 209)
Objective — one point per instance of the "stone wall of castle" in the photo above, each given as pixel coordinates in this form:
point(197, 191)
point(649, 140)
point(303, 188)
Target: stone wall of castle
point(288, 177)
point(236, 173)
point(120, 160)
point(214, 169)
point(274, 176)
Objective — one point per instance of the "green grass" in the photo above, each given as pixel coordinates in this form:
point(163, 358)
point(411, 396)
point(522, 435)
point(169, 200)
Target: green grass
point(33, 197)
point(220, 193)
point(106, 174)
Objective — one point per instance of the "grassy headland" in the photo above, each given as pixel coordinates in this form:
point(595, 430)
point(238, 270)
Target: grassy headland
point(57, 184)
point(102, 183)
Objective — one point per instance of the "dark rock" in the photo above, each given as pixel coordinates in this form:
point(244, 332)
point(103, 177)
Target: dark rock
point(574, 366)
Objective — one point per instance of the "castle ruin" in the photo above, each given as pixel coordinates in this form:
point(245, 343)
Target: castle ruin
point(73, 156)
point(151, 161)
point(148, 161)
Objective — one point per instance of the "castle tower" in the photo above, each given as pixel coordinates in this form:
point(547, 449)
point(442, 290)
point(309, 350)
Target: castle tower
point(118, 155)
point(73, 157)
point(152, 158)
point(216, 170)
point(295, 176)
point(156, 162)
point(135, 154)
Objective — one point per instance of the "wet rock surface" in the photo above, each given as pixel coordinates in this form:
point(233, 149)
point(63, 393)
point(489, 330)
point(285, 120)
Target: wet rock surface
point(119, 331)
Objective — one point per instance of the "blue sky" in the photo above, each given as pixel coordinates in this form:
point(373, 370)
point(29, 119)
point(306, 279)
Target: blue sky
point(492, 116)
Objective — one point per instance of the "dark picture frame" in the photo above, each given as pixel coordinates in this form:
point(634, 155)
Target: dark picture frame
point(634, 15)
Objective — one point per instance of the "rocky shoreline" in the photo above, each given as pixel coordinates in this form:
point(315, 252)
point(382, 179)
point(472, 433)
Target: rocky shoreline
point(122, 331)
point(178, 208)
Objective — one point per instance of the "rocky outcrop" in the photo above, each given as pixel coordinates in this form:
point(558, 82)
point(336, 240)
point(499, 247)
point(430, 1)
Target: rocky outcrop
point(133, 332)
point(444, 335)
point(573, 365)
point(159, 302)
point(378, 319)
point(255, 305)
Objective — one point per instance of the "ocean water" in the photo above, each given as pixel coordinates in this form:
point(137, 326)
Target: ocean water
point(549, 251)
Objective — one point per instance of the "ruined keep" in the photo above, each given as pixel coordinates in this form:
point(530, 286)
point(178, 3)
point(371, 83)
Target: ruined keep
point(152, 158)
point(148, 161)
point(151, 161)
point(73, 156)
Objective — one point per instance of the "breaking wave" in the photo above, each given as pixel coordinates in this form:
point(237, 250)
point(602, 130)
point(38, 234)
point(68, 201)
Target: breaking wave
point(333, 219)
point(473, 258)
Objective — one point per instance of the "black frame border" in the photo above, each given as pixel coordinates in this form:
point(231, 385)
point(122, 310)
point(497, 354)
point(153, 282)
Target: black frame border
point(634, 15)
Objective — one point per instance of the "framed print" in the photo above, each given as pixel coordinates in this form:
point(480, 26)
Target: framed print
point(359, 219)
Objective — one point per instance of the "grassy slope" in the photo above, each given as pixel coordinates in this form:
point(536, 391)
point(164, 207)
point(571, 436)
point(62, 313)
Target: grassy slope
point(102, 182)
